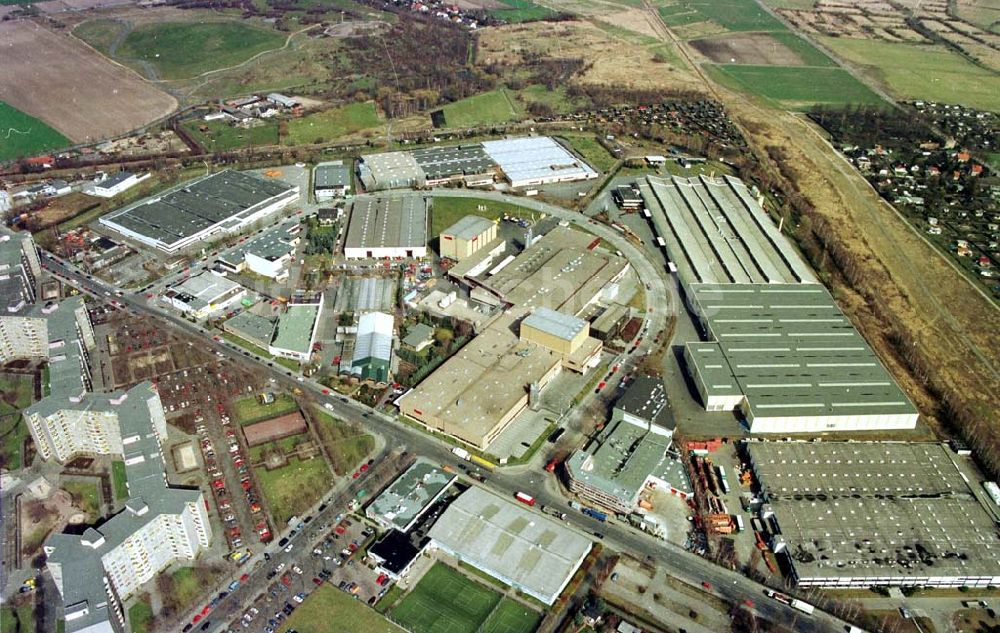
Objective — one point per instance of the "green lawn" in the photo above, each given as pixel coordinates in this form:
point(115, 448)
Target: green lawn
point(119, 480)
point(795, 87)
point(292, 489)
point(10, 618)
point(522, 11)
point(140, 617)
point(100, 33)
point(250, 409)
point(914, 71)
point(220, 136)
point(556, 99)
point(86, 497)
point(250, 347)
point(447, 211)
point(733, 15)
point(482, 109)
point(187, 588)
point(181, 50)
point(329, 610)
point(13, 433)
point(329, 125)
point(16, 391)
point(346, 446)
point(23, 135)
point(592, 151)
point(446, 601)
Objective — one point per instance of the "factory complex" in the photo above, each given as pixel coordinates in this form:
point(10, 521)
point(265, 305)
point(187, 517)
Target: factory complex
point(409, 496)
point(212, 206)
point(203, 294)
point(864, 514)
point(386, 228)
point(269, 254)
point(777, 348)
point(522, 162)
point(480, 390)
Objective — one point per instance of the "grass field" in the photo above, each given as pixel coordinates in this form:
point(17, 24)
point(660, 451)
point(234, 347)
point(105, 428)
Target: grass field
point(521, 11)
point(15, 392)
point(556, 99)
point(733, 15)
point(13, 433)
point(119, 480)
point(592, 151)
point(345, 445)
point(809, 54)
point(220, 136)
point(330, 125)
point(447, 211)
point(314, 615)
point(482, 109)
point(100, 33)
point(23, 135)
point(85, 497)
point(446, 601)
point(250, 409)
point(11, 618)
point(912, 71)
point(796, 87)
point(179, 50)
point(186, 586)
point(292, 489)
point(140, 617)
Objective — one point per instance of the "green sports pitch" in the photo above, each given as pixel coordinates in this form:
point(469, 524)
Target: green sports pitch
point(445, 601)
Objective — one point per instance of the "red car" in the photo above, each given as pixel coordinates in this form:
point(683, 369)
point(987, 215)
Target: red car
point(218, 484)
point(286, 580)
point(381, 579)
point(706, 585)
point(340, 529)
point(244, 577)
point(326, 392)
point(196, 619)
point(356, 475)
point(206, 610)
point(748, 604)
point(364, 468)
point(317, 581)
point(255, 508)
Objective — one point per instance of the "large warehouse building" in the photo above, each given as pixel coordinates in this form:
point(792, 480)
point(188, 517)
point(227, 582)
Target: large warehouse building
point(790, 361)
point(865, 514)
point(387, 228)
point(295, 333)
point(203, 294)
point(529, 551)
point(269, 254)
point(537, 160)
point(466, 237)
point(219, 204)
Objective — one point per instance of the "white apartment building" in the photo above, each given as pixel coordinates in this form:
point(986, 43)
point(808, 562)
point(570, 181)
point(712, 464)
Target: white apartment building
point(23, 337)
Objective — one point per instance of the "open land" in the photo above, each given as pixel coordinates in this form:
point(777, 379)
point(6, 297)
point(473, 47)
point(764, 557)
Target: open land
point(24, 135)
point(914, 71)
point(731, 15)
point(292, 489)
point(446, 211)
point(495, 106)
point(250, 409)
point(345, 445)
point(72, 87)
point(220, 136)
point(796, 87)
point(521, 11)
point(762, 49)
point(314, 614)
point(332, 124)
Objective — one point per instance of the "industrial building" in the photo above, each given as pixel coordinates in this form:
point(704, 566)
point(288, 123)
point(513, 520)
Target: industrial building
point(118, 183)
point(331, 180)
point(531, 552)
point(295, 332)
point(630, 453)
point(789, 361)
point(372, 357)
point(865, 514)
point(250, 327)
point(480, 390)
point(466, 164)
point(385, 227)
point(466, 237)
point(419, 337)
point(564, 334)
point(209, 207)
point(203, 294)
point(715, 231)
point(402, 504)
point(97, 570)
point(537, 160)
point(269, 254)
point(390, 170)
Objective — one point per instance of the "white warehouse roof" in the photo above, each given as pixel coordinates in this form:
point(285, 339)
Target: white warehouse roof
point(537, 160)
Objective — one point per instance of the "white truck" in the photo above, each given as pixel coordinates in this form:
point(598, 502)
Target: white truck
point(461, 452)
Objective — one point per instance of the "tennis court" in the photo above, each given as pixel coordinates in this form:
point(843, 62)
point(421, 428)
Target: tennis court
point(445, 601)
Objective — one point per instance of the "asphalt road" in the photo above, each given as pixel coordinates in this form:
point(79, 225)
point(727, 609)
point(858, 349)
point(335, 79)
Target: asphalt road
point(683, 565)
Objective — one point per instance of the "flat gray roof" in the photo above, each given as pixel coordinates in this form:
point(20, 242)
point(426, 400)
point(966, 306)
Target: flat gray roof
point(390, 170)
point(270, 245)
point(468, 227)
point(331, 174)
point(195, 206)
point(413, 492)
point(509, 541)
point(295, 327)
point(202, 289)
point(646, 398)
point(791, 351)
point(442, 162)
point(715, 232)
point(876, 509)
point(252, 327)
point(564, 326)
point(385, 222)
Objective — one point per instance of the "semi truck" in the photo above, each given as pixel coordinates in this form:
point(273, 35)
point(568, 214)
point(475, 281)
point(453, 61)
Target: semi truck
point(794, 603)
point(596, 514)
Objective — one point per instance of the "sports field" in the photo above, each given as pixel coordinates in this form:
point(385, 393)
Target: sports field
point(796, 87)
point(329, 125)
point(179, 50)
point(446, 601)
point(482, 109)
point(732, 15)
point(913, 71)
point(23, 135)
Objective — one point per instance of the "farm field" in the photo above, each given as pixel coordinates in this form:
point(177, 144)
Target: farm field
point(292, 489)
point(795, 87)
point(332, 124)
point(731, 15)
point(313, 616)
point(762, 49)
point(446, 601)
point(73, 88)
point(181, 50)
point(521, 11)
point(482, 109)
point(24, 135)
point(913, 71)
point(219, 136)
